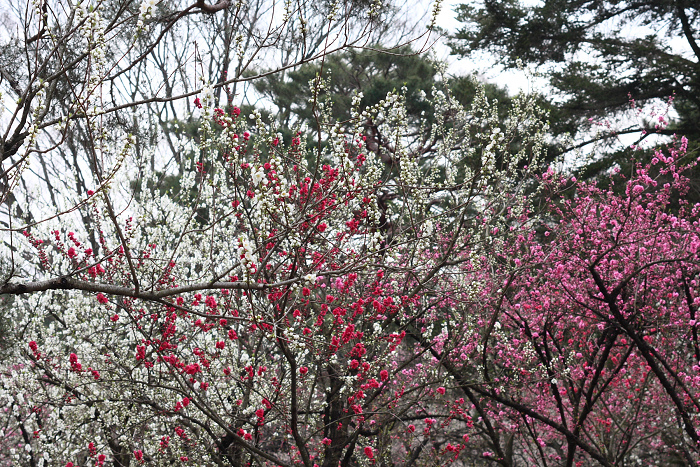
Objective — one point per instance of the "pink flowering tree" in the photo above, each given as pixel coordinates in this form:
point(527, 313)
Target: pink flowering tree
point(575, 340)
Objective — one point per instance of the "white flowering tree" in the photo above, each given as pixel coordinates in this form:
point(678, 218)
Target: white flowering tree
point(257, 312)
point(222, 297)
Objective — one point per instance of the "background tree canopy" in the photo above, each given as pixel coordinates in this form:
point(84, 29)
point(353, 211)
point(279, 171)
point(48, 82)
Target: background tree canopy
point(374, 72)
point(597, 56)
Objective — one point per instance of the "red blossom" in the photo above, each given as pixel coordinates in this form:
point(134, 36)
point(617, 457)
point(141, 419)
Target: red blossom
point(192, 369)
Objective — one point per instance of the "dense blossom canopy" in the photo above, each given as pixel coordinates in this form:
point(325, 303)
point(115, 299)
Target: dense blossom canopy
point(382, 290)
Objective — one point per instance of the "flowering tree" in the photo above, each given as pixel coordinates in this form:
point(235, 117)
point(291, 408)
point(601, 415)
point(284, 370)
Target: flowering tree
point(81, 76)
point(253, 311)
point(577, 341)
